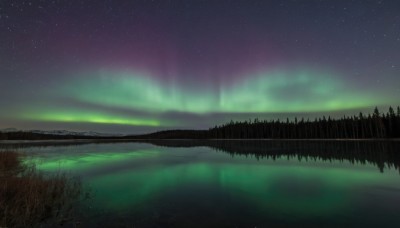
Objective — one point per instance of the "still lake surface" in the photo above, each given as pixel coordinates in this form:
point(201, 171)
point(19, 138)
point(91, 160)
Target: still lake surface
point(182, 183)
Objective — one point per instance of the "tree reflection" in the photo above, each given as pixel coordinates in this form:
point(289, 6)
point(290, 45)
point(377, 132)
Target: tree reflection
point(383, 154)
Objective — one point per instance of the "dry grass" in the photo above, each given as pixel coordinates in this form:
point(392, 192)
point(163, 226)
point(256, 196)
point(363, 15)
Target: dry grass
point(28, 197)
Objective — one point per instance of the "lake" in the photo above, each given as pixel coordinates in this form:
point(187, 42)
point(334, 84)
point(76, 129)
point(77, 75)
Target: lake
point(232, 183)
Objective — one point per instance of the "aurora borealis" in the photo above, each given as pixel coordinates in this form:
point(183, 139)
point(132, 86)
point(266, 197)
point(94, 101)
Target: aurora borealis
point(142, 66)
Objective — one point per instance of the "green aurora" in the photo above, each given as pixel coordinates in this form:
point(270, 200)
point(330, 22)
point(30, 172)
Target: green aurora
point(151, 173)
point(278, 91)
point(148, 66)
point(126, 98)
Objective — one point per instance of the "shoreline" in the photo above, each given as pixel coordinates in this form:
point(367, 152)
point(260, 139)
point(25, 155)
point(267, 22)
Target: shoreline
point(8, 142)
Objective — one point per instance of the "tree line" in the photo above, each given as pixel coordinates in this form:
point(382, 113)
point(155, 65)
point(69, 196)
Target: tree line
point(377, 125)
point(362, 126)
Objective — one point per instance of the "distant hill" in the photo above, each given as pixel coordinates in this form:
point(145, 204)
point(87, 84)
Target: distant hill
point(15, 134)
point(377, 125)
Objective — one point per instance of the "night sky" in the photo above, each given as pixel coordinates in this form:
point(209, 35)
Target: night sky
point(142, 66)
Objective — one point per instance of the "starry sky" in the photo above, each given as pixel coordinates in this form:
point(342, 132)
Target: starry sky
point(141, 66)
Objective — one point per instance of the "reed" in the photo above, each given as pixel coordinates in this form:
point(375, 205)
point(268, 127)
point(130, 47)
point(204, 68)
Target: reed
point(29, 197)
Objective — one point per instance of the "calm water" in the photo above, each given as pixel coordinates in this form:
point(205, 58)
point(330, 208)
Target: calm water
point(232, 183)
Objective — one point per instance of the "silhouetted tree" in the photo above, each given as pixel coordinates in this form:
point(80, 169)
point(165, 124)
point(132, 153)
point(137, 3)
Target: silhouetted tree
point(377, 125)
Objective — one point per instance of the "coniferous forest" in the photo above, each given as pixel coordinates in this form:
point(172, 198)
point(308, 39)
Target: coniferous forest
point(362, 126)
point(377, 125)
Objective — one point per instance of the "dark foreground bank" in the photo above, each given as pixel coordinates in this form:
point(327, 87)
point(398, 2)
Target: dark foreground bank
point(29, 197)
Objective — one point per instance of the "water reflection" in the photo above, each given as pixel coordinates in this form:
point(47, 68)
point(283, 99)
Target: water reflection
point(380, 153)
point(214, 183)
